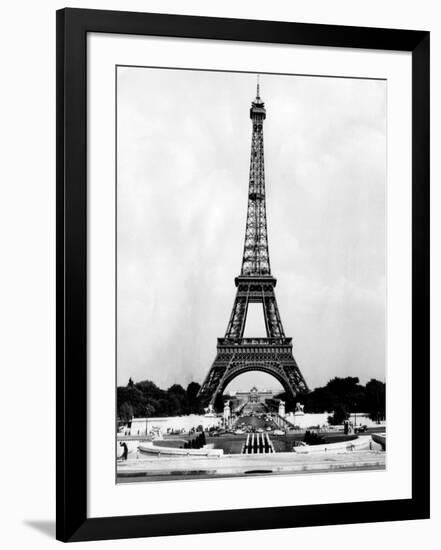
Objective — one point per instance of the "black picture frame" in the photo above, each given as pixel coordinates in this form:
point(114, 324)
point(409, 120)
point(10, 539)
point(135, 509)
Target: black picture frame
point(71, 320)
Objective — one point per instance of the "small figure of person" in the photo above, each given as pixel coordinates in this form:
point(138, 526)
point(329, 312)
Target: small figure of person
point(123, 444)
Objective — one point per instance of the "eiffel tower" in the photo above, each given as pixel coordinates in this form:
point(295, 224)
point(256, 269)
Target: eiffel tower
point(255, 284)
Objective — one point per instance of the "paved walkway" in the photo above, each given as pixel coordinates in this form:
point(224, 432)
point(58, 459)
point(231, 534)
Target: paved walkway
point(230, 465)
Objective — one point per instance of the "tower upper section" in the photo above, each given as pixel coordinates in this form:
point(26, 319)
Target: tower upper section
point(255, 261)
point(257, 111)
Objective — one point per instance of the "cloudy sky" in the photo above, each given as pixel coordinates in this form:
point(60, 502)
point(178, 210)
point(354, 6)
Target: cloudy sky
point(183, 148)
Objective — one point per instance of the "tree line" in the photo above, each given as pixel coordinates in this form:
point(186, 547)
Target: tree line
point(343, 396)
point(145, 398)
point(340, 396)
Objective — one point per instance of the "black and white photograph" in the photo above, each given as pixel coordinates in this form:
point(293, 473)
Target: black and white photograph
point(220, 268)
point(251, 280)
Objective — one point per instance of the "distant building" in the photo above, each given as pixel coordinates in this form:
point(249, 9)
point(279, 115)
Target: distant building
point(254, 395)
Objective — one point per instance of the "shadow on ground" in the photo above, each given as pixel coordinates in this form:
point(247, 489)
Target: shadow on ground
point(47, 527)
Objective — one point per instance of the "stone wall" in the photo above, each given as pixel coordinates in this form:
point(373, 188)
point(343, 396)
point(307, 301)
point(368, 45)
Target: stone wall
point(307, 420)
point(146, 426)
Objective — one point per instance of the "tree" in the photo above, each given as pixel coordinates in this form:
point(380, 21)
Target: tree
point(173, 406)
point(320, 400)
point(176, 389)
point(376, 399)
point(344, 392)
point(342, 387)
point(194, 405)
point(192, 391)
point(148, 387)
point(339, 416)
point(132, 396)
point(125, 412)
point(219, 402)
point(178, 397)
point(149, 410)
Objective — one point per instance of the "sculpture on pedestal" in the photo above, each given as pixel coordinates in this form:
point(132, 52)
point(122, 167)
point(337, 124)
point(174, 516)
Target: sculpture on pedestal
point(282, 408)
point(209, 411)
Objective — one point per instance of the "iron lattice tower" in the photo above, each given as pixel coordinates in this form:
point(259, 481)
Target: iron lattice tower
point(255, 284)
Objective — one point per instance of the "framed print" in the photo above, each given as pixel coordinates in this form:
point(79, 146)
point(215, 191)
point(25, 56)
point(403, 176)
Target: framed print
point(242, 274)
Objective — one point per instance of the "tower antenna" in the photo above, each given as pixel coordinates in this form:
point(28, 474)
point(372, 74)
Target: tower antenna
point(258, 86)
